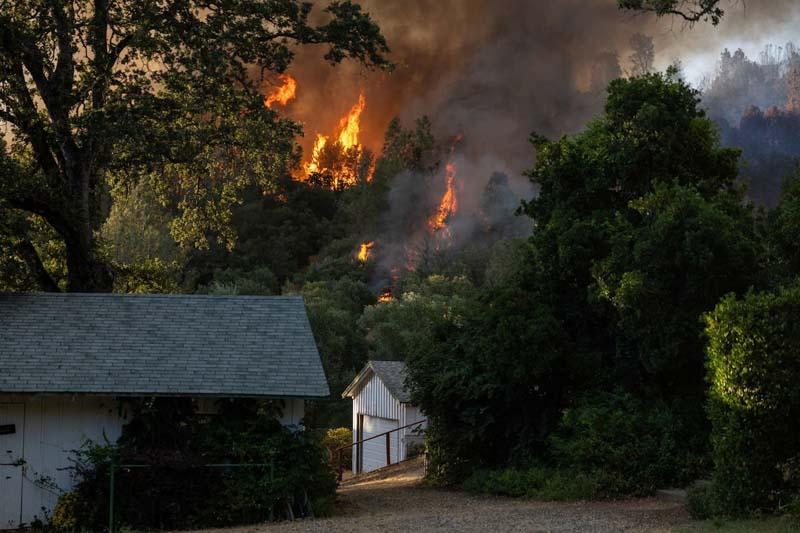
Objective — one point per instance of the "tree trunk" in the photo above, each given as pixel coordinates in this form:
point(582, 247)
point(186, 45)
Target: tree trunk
point(85, 272)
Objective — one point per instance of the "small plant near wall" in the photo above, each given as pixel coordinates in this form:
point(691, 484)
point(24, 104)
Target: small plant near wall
point(238, 466)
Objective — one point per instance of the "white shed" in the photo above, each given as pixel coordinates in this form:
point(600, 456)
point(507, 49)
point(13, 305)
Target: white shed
point(381, 404)
point(66, 360)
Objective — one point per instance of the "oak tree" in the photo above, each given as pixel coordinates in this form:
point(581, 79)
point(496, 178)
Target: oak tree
point(97, 95)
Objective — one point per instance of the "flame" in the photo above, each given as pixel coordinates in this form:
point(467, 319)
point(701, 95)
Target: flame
point(363, 253)
point(449, 202)
point(284, 94)
point(350, 124)
point(313, 165)
point(386, 296)
point(346, 138)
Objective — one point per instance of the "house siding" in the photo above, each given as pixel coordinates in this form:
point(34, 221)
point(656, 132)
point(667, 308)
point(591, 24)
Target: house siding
point(54, 427)
point(375, 400)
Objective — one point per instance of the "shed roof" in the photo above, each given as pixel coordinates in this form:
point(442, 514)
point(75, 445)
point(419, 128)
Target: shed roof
point(391, 373)
point(249, 346)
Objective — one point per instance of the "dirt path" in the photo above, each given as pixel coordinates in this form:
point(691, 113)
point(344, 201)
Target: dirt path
point(402, 504)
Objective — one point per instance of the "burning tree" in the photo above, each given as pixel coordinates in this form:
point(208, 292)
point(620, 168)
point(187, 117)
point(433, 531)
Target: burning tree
point(343, 161)
point(101, 94)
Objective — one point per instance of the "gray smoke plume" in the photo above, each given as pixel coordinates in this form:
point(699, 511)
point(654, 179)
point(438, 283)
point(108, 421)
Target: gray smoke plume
point(494, 72)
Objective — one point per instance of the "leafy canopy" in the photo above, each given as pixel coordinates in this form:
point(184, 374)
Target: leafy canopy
point(105, 94)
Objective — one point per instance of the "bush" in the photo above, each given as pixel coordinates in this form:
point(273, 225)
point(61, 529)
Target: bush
point(175, 490)
point(628, 446)
point(700, 501)
point(535, 482)
point(335, 439)
point(754, 401)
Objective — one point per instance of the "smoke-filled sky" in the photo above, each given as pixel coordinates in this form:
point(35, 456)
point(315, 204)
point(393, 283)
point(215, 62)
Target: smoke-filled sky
point(496, 71)
point(748, 24)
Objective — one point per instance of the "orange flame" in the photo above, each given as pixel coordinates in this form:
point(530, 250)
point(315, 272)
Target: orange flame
point(314, 165)
point(449, 202)
point(350, 124)
point(347, 139)
point(386, 296)
point(363, 253)
point(284, 94)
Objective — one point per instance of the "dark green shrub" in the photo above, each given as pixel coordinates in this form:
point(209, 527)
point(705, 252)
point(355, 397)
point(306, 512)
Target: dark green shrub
point(700, 501)
point(627, 445)
point(536, 482)
point(177, 490)
point(754, 400)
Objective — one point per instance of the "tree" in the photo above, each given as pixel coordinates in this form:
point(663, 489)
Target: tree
point(689, 10)
point(781, 231)
point(103, 94)
point(669, 263)
point(653, 131)
point(754, 402)
point(643, 55)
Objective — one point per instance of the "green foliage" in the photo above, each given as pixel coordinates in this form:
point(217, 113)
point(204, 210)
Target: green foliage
point(628, 446)
point(336, 439)
point(781, 232)
point(670, 261)
point(638, 231)
point(334, 308)
point(406, 149)
point(754, 401)
point(177, 491)
point(137, 228)
point(195, 127)
point(700, 501)
point(536, 482)
point(257, 282)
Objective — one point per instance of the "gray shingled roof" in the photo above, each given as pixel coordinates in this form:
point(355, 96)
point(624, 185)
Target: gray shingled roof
point(391, 373)
point(158, 345)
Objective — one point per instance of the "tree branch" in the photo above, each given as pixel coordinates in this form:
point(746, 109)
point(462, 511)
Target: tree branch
point(31, 257)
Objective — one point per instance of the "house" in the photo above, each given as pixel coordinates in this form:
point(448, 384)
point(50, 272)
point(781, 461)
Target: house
point(382, 406)
point(66, 360)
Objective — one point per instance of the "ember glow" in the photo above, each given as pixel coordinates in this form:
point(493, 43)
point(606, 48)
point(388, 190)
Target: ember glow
point(363, 252)
point(347, 150)
point(283, 94)
point(449, 202)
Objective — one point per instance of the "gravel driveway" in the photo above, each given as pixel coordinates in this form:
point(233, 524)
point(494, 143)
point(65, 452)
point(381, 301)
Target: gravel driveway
point(402, 504)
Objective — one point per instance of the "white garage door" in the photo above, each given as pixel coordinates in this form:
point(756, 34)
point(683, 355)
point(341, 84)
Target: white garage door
point(12, 418)
point(375, 449)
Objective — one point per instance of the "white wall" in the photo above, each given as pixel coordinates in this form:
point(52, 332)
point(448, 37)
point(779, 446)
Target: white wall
point(375, 400)
point(54, 426)
point(294, 409)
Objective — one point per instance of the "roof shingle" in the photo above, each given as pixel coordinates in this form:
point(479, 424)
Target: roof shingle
point(255, 346)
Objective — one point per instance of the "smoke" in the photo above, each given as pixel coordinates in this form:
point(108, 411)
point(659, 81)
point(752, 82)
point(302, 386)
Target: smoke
point(493, 72)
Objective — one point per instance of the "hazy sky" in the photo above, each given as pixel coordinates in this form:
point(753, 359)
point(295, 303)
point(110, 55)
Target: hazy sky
point(748, 24)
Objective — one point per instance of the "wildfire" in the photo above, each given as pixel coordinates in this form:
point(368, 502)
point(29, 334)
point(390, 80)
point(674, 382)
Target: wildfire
point(350, 124)
point(449, 202)
point(363, 253)
point(386, 296)
point(346, 138)
point(319, 145)
point(283, 94)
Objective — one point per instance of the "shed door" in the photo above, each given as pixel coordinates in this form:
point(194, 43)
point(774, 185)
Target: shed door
point(12, 420)
point(375, 450)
